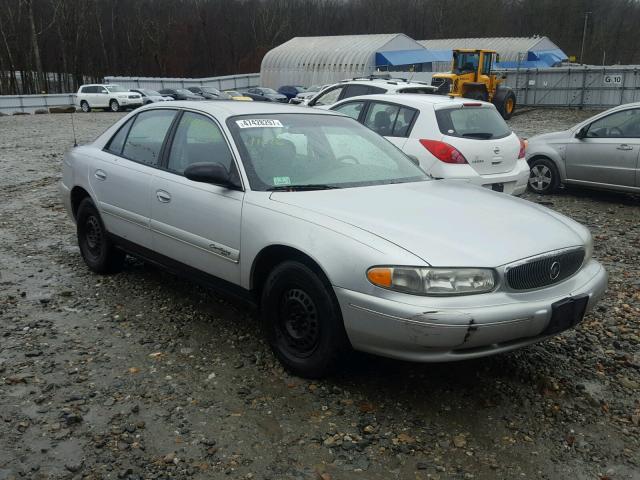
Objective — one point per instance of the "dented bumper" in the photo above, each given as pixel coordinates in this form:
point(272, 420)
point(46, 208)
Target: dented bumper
point(429, 329)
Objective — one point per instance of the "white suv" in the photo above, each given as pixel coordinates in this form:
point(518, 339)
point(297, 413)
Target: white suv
point(456, 139)
point(366, 86)
point(106, 96)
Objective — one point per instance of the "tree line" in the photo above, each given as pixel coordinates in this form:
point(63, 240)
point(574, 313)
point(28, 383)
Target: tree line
point(55, 45)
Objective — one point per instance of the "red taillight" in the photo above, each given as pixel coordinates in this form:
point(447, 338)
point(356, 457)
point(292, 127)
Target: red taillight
point(444, 152)
point(471, 104)
point(523, 149)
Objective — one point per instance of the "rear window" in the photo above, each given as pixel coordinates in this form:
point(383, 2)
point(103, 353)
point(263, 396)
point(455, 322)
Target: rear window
point(482, 123)
point(417, 90)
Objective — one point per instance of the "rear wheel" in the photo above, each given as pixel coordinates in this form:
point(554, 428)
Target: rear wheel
point(97, 250)
point(302, 320)
point(505, 102)
point(544, 177)
point(114, 106)
point(84, 106)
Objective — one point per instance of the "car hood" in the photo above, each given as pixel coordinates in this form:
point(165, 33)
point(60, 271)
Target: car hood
point(446, 223)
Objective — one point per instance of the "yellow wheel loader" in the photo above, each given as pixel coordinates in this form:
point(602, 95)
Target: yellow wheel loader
point(471, 77)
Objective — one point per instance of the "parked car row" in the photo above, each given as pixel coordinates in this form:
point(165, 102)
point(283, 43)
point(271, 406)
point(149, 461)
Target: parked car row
point(340, 238)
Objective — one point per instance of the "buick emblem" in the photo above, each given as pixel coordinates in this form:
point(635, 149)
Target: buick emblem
point(496, 150)
point(554, 271)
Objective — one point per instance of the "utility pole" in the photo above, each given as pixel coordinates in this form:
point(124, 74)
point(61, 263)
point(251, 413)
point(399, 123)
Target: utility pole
point(584, 33)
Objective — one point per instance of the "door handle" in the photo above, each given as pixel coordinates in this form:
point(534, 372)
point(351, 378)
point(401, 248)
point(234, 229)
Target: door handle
point(624, 146)
point(100, 175)
point(163, 196)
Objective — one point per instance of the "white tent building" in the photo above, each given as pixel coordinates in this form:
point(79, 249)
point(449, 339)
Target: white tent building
point(320, 60)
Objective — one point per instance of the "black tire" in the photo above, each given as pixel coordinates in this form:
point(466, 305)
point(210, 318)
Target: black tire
point(84, 106)
point(544, 177)
point(97, 250)
point(477, 95)
point(302, 321)
point(505, 102)
point(114, 106)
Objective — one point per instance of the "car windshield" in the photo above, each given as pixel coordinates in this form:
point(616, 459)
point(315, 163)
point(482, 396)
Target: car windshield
point(472, 122)
point(313, 88)
point(233, 93)
point(184, 91)
point(151, 93)
point(309, 151)
point(269, 91)
point(211, 90)
point(465, 62)
point(115, 88)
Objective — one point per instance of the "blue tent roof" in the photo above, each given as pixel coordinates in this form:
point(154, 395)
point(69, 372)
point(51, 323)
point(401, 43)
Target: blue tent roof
point(410, 57)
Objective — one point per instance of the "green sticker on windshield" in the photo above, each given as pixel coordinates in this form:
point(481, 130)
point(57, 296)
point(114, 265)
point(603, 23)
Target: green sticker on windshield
point(281, 181)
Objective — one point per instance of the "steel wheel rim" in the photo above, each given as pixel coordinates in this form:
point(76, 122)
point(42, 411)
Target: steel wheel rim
point(85, 107)
point(114, 106)
point(509, 105)
point(540, 177)
point(93, 236)
point(298, 327)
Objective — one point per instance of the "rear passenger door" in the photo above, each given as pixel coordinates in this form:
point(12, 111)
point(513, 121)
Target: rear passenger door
point(195, 223)
point(121, 176)
point(391, 120)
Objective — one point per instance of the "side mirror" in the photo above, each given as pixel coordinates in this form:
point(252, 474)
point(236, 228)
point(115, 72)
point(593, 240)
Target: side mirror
point(582, 133)
point(213, 173)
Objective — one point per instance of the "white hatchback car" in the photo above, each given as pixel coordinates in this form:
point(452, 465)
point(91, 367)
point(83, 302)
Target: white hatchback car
point(108, 97)
point(456, 139)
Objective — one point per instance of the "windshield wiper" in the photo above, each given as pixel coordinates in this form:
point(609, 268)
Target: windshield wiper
point(300, 188)
point(478, 135)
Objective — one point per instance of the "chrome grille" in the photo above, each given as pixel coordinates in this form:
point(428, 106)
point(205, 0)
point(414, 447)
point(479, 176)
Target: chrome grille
point(541, 272)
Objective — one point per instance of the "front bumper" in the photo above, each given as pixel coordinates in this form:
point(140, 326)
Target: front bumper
point(431, 329)
point(130, 102)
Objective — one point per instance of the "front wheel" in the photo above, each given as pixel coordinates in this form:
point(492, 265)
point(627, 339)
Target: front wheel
point(543, 177)
point(302, 320)
point(96, 248)
point(114, 106)
point(84, 106)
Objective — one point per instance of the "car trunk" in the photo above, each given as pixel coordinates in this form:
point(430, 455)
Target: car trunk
point(478, 131)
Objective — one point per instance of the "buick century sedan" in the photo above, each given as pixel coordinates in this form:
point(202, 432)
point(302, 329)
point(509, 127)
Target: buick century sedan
point(339, 237)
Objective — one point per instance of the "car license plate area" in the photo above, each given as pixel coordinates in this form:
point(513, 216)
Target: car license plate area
point(497, 187)
point(565, 314)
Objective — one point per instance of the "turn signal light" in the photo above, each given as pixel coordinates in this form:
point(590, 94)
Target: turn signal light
point(444, 152)
point(380, 276)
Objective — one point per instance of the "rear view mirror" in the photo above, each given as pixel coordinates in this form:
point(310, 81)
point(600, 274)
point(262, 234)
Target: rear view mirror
point(213, 173)
point(582, 133)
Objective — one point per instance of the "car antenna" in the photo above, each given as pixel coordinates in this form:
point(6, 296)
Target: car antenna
point(73, 129)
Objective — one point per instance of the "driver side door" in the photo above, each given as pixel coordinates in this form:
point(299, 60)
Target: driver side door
point(608, 154)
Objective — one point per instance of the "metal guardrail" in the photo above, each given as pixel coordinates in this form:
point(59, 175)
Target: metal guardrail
point(31, 103)
point(581, 87)
point(228, 82)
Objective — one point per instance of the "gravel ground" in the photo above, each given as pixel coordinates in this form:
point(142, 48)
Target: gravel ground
point(145, 375)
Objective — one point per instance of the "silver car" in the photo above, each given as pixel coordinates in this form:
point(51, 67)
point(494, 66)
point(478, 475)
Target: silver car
point(601, 152)
point(337, 235)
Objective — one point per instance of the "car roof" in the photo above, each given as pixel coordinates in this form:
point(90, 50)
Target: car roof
point(415, 100)
point(389, 83)
point(222, 109)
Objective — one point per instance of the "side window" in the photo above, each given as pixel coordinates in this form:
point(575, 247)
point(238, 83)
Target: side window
point(486, 65)
point(381, 117)
point(90, 90)
point(351, 109)
point(330, 97)
point(198, 140)
point(374, 90)
point(355, 90)
point(147, 135)
point(101, 90)
point(403, 122)
point(624, 124)
point(117, 141)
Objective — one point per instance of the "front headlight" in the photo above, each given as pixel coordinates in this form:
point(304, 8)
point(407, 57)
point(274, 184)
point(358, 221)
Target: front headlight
point(433, 281)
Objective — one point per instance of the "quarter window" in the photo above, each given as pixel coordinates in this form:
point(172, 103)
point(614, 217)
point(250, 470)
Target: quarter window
point(403, 122)
point(198, 140)
point(329, 97)
point(146, 136)
point(381, 118)
point(117, 141)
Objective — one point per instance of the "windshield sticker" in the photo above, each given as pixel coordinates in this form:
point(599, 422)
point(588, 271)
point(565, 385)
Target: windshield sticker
point(259, 123)
point(281, 181)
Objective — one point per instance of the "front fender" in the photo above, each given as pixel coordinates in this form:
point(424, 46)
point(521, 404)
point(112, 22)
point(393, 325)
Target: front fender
point(553, 153)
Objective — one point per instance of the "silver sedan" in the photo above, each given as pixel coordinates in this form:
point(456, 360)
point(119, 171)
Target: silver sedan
point(601, 152)
point(338, 236)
